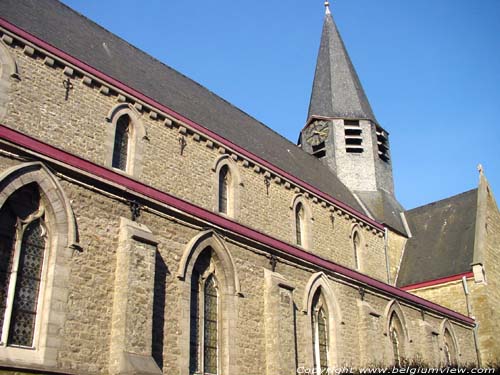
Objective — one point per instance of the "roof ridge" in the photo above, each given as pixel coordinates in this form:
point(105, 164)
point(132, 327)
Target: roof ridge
point(442, 200)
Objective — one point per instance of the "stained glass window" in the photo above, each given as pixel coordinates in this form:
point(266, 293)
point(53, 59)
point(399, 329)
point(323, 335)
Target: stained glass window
point(299, 223)
point(194, 347)
point(204, 314)
point(22, 325)
point(224, 179)
point(22, 249)
point(120, 149)
point(320, 334)
point(210, 328)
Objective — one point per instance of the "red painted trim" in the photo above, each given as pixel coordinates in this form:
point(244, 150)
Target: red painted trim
point(87, 68)
point(208, 216)
point(441, 280)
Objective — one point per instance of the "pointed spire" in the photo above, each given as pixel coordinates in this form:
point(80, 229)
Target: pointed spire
point(337, 91)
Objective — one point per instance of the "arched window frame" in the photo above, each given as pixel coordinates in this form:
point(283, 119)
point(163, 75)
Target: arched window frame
point(8, 73)
point(223, 268)
point(62, 241)
point(448, 344)
point(396, 330)
point(319, 283)
point(136, 139)
point(358, 245)
point(319, 323)
point(301, 215)
point(203, 350)
point(234, 185)
point(13, 281)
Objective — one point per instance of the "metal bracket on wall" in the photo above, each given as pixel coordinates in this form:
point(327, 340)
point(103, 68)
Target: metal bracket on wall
point(267, 182)
point(135, 210)
point(273, 261)
point(68, 86)
point(182, 143)
point(362, 293)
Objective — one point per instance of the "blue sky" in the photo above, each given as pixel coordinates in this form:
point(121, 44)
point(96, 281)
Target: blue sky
point(430, 68)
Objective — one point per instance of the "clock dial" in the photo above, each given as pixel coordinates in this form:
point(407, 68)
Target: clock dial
point(316, 132)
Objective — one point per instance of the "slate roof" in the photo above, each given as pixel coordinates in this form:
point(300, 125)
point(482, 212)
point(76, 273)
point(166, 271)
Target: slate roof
point(336, 75)
point(443, 239)
point(69, 31)
point(384, 207)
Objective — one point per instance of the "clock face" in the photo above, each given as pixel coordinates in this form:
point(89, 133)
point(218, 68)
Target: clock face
point(316, 132)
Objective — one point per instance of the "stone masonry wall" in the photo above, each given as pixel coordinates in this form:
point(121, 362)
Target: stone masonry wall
point(88, 328)
point(38, 108)
point(486, 305)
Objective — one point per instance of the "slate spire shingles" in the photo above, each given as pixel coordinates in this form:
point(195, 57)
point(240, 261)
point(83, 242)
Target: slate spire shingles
point(337, 91)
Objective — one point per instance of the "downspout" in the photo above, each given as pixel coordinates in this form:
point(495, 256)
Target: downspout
point(386, 240)
point(476, 327)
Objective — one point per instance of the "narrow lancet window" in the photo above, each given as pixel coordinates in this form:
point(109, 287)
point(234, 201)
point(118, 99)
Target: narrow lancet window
point(320, 334)
point(210, 327)
point(356, 241)
point(224, 184)
point(204, 325)
point(396, 335)
point(299, 224)
point(395, 347)
point(121, 144)
point(22, 251)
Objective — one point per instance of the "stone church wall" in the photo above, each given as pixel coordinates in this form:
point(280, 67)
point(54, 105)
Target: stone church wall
point(79, 125)
point(127, 301)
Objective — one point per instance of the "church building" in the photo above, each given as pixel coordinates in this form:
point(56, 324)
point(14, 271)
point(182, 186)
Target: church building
point(147, 226)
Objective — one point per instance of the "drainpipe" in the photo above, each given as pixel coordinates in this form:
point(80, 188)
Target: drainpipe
point(476, 327)
point(386, 240)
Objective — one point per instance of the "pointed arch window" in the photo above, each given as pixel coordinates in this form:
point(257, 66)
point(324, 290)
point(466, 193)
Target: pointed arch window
point(396, 336)
point(450, 352)
point(204, 332)
point(299, 224)
point(23, 237)
point(121, 143)
point(320, 333)
point(395, 347)
point(224, 189)
point(356, 243)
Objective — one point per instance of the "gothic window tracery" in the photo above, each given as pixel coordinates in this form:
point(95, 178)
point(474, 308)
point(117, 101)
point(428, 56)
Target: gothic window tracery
point(204, 332)
point(396, 335)
point(320, 333)
point(22, 250)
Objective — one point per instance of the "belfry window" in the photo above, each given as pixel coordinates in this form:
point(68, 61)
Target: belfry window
point(353, 137)
point(299, 224)
point(121, 143)
point(320, 333)
point(383, 144)
point(224, 189)
point(204, 331)
point(23, 236)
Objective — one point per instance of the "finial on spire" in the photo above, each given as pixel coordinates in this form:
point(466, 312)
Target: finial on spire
point(480, 169)
point(327, 7)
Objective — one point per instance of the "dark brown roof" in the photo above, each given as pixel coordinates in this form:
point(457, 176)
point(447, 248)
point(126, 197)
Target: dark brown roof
point(443, 239)
point(76, 35)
